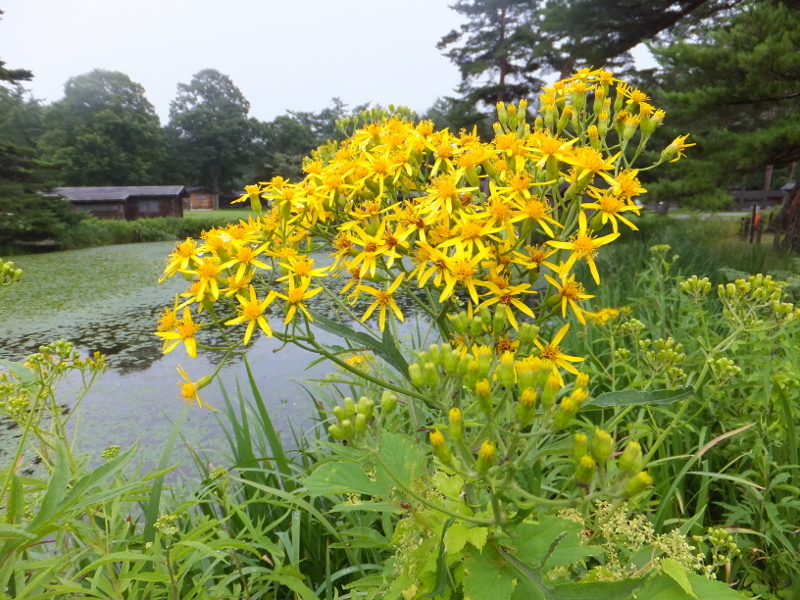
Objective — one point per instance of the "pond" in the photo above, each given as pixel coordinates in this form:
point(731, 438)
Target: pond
point(108, 299)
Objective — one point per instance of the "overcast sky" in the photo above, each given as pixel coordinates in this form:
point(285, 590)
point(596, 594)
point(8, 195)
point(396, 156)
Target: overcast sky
point(283, 54)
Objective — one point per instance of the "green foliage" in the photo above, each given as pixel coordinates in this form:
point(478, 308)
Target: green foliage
point(734, 84)
point(103, 132)
point(210, 131)
point(28, 215)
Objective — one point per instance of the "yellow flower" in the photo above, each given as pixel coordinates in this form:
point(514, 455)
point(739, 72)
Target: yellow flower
point(383, 299)
point(583, 245)
point(184, 331)
point(252, 311)
point(505, 296)
point(609, 208)
point(569, 292)
point(190, 391)
point(208, 271)
point(553, 353)
point(295, 297)
point(461, 269)
point(180, 258)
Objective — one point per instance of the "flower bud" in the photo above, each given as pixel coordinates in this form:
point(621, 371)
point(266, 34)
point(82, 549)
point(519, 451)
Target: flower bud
point(473, 372)
point(440, 449)
point(365, 407)
point(483, 391)
point(528, 333)
point(450, 360)
point(456, 425)
point(463, 366)
point(485, 360)
point(475, 327)
point(485, 315)
point(526, 375)
point(349, 407)
point(434, 354)
point(550, 390)
point(361, 423)
point(566, 410)
point(527, 403)
point(582, 380)
point(637, 484)
point(336, 431)
point(339, 413)
point(347, 428)
point(580, 446)
point(485, 457)
point(602, 445)
point(585, 469)
point(505, 370)
point(415, 373)
point(630, 461)
point(431, 374)
point(460, 323)
point(388, 401)
point(500, 321)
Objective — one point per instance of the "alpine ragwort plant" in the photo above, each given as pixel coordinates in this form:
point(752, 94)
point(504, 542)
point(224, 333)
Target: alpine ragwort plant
point(482, 237)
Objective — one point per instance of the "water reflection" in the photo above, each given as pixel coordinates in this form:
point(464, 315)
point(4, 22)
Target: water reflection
point(108, 300)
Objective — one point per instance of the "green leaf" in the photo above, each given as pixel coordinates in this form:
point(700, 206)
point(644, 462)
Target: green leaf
point(402, 456)
point(664, 587)
point(533, 543)
point(478, 536)
point(456, 538)
point(488, 575)
point(25, 375)
point(384, 348)
point(599, 590)
point(708, 589)
point(678, 574)
point(338, 477)
point(640, 397)
point(55, 489)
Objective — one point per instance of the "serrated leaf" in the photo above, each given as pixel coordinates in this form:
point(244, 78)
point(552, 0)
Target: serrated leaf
point(456, 538)
point(533, 542)
point(402, 456)
point(599, 590)
point(678, 574)
point(488, 575)
point(339, 477)
point(639, 397)
point(477, 536)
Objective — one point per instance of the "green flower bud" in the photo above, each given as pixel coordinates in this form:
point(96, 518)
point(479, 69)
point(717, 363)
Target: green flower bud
point(485, 360)
point(483, 391)
point(415, 373)
point(434, 355)
point(580, 446)
point(440, 447)
point(485, 315)
point(485, 457)
point(365, 407)
point(336, 432)
point(505, 370)
point(475, 327)
point(339, 413)
point(602, 445)
point(637, 484)
point(585, 469)
point(473, 372)
point(460, 323)
point(550, 390)
point(528, 333)
point(388, 401)
point(347, 428)
point(349, 407)
point(566, 411)
point(450, 361)
point(500, 321)
point(361, 423)
point(630, 461)
point(431, 374)
point(526, 375)
point(463, 366)
point(456, 425)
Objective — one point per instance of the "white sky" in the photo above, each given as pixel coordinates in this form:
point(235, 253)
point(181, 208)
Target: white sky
point(283, 55)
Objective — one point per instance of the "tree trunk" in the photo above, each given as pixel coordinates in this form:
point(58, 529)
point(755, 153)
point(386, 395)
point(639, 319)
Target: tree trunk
point(792, 223)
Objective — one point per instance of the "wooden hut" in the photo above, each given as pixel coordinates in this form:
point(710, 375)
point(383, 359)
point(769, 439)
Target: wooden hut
point(201, 198)
point(127, 202)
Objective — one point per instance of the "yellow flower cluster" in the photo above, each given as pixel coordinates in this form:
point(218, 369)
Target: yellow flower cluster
point(404, 207)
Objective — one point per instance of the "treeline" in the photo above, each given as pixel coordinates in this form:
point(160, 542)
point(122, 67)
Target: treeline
point(105, 131)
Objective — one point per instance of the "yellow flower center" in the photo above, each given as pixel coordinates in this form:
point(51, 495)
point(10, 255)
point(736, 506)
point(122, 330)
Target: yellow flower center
point(296, 296)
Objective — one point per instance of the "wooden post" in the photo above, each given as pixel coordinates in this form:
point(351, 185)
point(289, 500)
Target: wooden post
point(752, 224)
